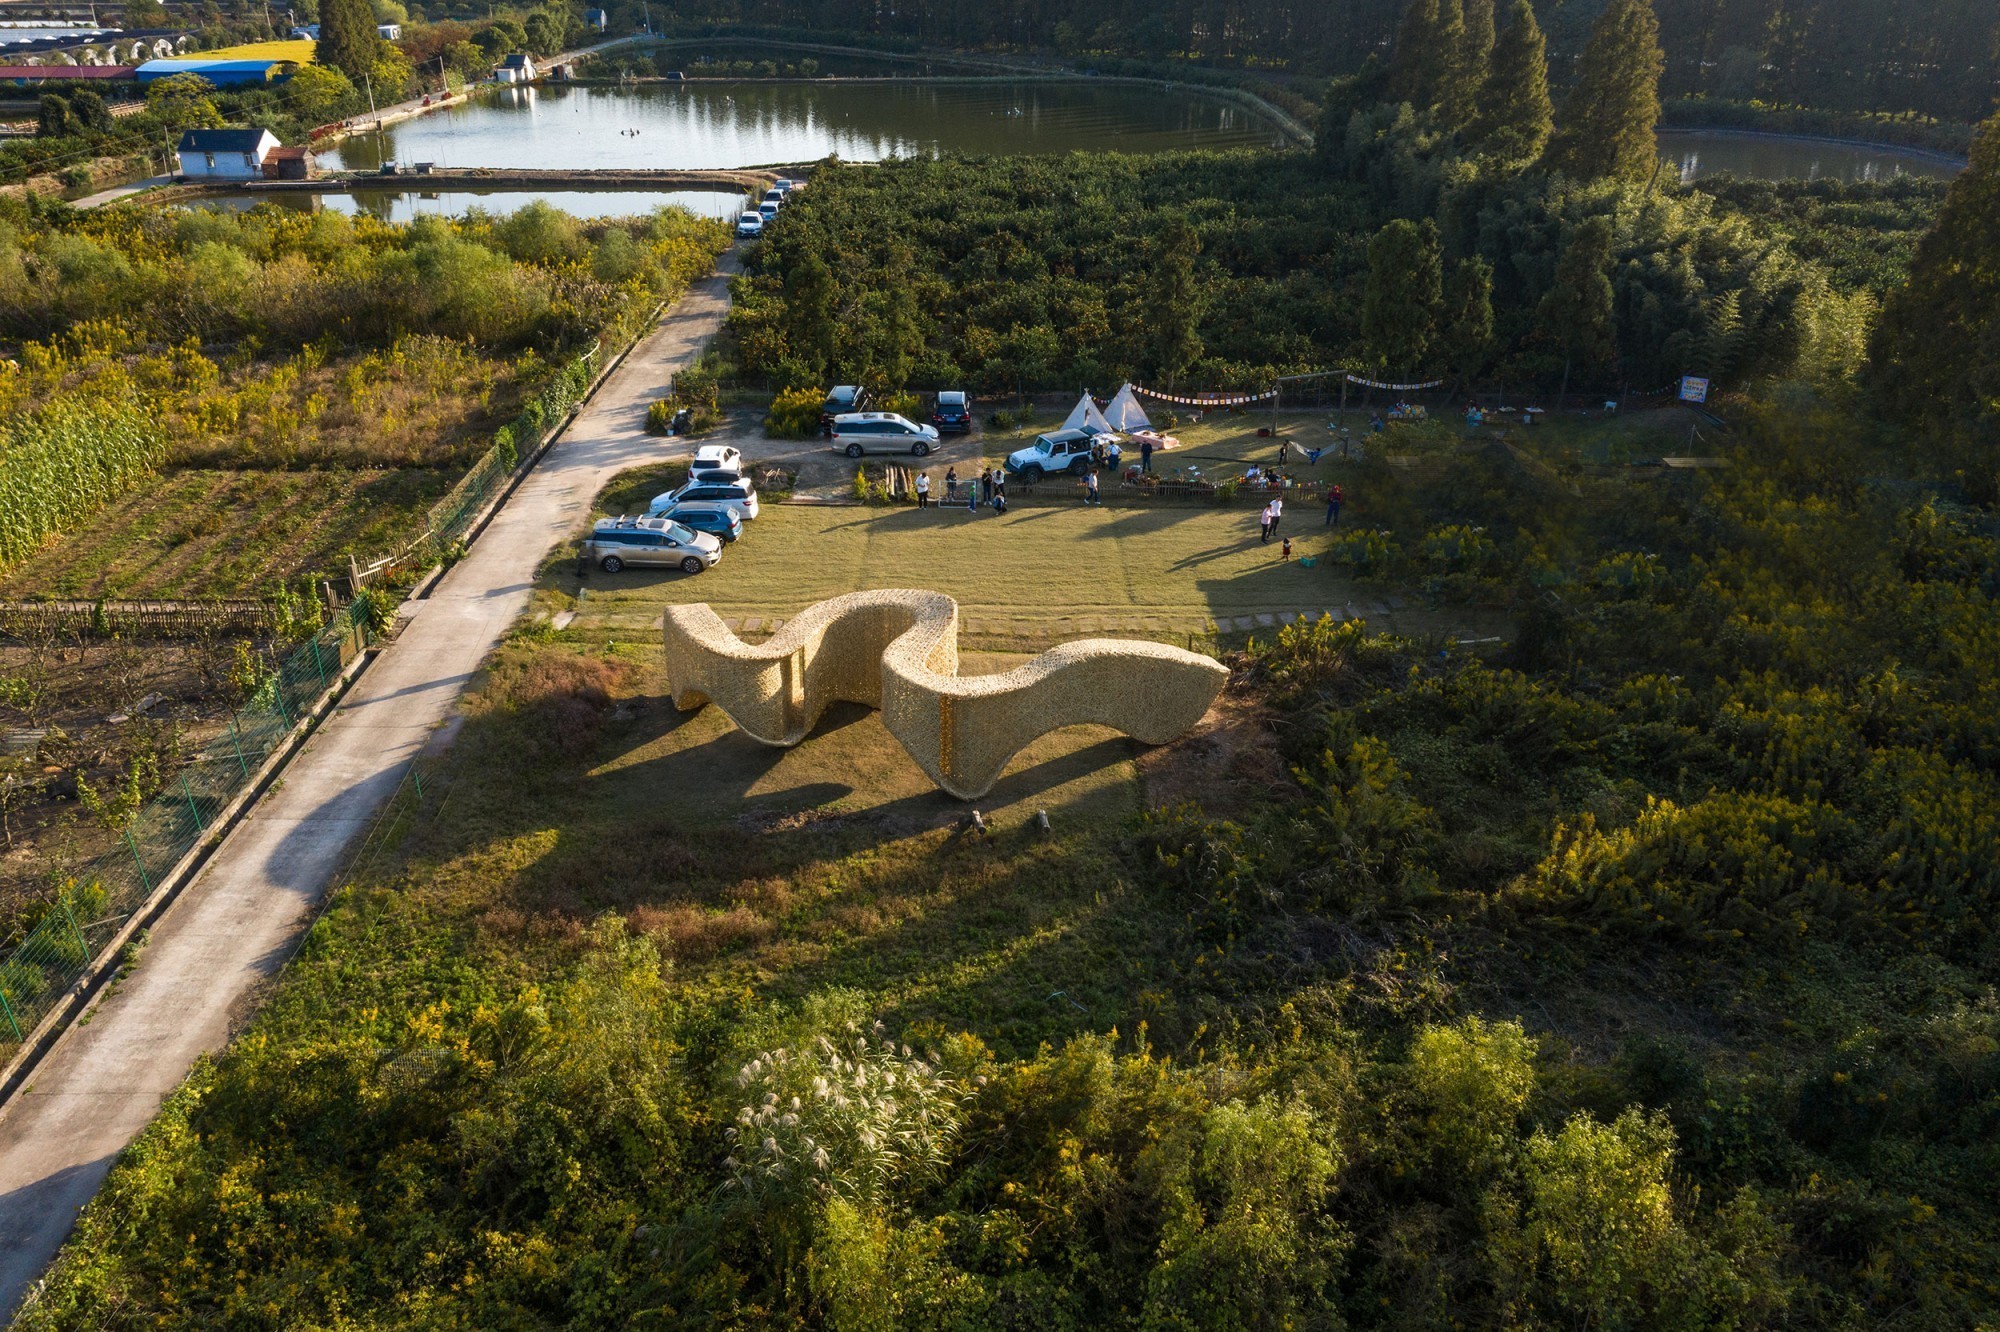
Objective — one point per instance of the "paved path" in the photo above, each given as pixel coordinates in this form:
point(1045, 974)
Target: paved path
point(232, 928)
point(117, 192)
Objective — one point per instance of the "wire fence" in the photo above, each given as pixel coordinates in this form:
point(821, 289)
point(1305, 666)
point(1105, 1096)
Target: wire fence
point(95, 905)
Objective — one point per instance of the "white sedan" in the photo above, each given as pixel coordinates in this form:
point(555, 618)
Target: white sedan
point(750, 226)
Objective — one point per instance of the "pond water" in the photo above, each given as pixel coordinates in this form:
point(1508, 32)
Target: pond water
point(1699, 153)
point(406, 205)
point(734, 124)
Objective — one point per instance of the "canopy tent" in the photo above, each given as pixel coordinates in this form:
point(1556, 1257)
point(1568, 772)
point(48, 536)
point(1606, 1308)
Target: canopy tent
point(1085, 416)
point(1125, 413)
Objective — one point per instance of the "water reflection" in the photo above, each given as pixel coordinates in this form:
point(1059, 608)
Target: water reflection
point(712, 125)
point(1696, 154)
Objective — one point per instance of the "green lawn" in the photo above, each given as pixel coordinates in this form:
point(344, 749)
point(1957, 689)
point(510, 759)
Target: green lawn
point(197, 532)
point(1049, 569)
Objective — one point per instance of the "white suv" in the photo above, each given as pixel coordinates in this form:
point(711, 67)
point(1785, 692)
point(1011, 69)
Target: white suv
point(857, 433)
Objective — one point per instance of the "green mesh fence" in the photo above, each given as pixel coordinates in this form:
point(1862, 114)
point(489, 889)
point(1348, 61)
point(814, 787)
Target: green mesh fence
point(86, 916)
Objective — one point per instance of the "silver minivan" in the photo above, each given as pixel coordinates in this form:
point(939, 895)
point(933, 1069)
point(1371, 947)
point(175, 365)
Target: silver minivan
point(650, 542)
point(856, 433)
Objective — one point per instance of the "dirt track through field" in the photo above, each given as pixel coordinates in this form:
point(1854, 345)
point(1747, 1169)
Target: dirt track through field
point(231, 929)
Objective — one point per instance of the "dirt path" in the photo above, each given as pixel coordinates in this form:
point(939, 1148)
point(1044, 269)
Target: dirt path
point(231, 929)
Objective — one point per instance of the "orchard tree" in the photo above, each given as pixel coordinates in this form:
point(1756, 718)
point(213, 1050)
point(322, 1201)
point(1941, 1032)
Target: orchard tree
point(1515, 114)
point(1399, 308)
point(183, 102)
point(1609, 120)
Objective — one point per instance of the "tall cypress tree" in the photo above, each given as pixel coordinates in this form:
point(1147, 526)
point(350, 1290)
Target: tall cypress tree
point(347, 37)
point(1936, 349)
point(1578, 309)
point(1608, 120)
point(1399, 306)
point(1173, 303)
point(1418, 60)
point(1471, 54)
point(1515, 114)
point(1468, 313)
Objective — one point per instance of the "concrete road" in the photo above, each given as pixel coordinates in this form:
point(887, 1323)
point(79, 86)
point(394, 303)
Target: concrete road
point(126, 191)
point(231, 929)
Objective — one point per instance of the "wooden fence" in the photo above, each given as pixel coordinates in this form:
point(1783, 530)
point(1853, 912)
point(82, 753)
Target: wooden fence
point(139, 619)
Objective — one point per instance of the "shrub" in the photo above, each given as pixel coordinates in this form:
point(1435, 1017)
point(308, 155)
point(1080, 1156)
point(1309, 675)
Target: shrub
point(1467, 1086)
point(1457, 549)
point(794, 414)
point(1367, 551)
point(660, 417)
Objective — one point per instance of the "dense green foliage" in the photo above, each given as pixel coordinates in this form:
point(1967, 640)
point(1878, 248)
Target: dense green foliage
point(1639, 976)
point(1048, 273)
point(280, 339)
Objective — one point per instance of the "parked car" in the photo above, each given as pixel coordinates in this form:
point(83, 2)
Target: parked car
point(953, 412)
point(768, 210)
point(856, 433)
point(842, 399)
point(784, 186)
point(774, 195)
point(616, 542)
point(740, 497)
point(718, 457)
point(750, 226)
point(1057, 451)
point(715, 519)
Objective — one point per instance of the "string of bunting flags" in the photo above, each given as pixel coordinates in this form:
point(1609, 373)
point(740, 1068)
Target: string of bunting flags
point(1207, 399)
point(1399, 388)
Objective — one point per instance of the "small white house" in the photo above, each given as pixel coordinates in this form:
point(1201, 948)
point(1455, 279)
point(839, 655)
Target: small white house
point(516, 68)
point(225, 154)
point(389, 32)
point(306, 32)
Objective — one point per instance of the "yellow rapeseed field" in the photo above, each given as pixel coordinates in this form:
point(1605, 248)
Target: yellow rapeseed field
point(300, 52)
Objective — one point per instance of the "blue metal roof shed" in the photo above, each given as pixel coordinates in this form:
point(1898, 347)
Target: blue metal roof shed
point(221, 73)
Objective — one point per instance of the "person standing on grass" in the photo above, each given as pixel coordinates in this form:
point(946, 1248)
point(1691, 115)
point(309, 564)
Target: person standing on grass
point(1287, 553)
point(1334, 499)
point(1284, 450)
point(1277, 512)
point(1264, 521)
point(1090, 488)
point(1146, 455)
point(951, 485)
point(972, 496)
point(999, 488)
point(923, 490)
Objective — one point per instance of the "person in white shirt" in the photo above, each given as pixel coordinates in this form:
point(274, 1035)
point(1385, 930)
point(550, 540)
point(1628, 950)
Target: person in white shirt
point(923, 490)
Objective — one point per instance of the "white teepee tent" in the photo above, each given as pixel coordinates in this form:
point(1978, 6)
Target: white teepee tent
point(1085, 416)
point(1125, 414)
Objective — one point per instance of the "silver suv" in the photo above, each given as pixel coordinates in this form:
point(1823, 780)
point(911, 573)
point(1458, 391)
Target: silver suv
point(857, 433)
point(616, 542)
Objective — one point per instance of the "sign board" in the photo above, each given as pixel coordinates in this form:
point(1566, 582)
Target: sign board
point(1694, 389)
